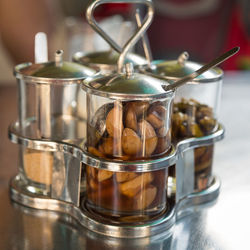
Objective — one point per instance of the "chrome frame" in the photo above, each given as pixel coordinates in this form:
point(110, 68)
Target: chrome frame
point(182, 203)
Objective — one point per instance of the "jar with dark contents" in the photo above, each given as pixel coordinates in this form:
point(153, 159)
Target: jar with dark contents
point(192, 119)
point(127, 127)
point(195, 110)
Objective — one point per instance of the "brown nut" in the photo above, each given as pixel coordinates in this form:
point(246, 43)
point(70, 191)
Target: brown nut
point(150, 145)
point(161, 132)
point(146, 130)
point(103, 175)
point(101, 149)
point(140, 107)
point(132, 187)
point(95, 152)
point(130, 117)
point(131, 142)
point(125, 176)
point(114, 123)
point(145, 198)
point(38, 166)
point(112, 147)
point(149, 136)
point(157, 115)
point(91, 172)
point(163, 145)
point(93, 185)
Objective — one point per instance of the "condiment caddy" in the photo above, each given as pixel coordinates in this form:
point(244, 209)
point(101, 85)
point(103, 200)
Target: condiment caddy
point(135, 159)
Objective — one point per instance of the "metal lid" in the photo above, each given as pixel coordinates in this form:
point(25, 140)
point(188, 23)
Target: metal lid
point(54, 71)
point(175, 69)
point(126, 85)
point(106, 60)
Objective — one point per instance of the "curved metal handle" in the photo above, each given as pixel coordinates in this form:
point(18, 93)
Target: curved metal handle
point(139, 32)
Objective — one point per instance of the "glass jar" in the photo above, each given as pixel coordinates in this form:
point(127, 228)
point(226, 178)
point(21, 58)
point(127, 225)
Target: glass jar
point(128, 120)
point(195, 114)
point(195, 110)
point(48, 110)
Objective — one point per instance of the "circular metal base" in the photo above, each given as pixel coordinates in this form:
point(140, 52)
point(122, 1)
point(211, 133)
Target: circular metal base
point(83, 217)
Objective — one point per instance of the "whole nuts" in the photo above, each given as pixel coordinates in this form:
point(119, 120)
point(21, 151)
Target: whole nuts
point(139, 107)
point(146, 197)
point(130, 117)
point(125, 176)
point(157, 115)
point(150, 145)
point(131, 188)
point(146, 130)
point(132, 130)
point(114, 123)
point(131, 142)
point(111, 147)
point(95, 152)
point(103, 175)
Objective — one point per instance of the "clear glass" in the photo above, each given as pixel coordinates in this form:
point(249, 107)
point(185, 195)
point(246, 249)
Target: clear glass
point(36, 170)
point(126, 196)
point(51, 111)
point(195, 114)
point(127, 131)
point(48, 111)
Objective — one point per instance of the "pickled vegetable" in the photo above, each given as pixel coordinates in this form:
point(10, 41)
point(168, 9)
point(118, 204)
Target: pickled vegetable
point(193, 119)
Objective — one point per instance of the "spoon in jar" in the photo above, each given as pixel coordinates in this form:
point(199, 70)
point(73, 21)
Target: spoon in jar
point(201, 70)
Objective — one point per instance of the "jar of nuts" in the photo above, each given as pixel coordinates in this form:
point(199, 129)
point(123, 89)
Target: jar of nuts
point(128, 120)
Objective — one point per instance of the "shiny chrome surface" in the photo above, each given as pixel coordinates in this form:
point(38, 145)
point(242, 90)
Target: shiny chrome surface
point(105, 61)
point(88, 220)
point(219, 226)
point(50, 73)
point(120, 166)
point(203, 69)
point(145, 24)
point(145, 41)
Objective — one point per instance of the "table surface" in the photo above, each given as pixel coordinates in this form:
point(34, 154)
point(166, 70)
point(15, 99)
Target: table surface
point(223, 225)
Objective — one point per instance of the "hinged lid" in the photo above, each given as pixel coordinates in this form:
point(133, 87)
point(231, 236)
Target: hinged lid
point(126, 85)
point(108, 58)
point(175, 69)
point(57, 70)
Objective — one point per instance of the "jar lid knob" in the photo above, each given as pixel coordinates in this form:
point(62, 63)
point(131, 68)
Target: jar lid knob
point(129, 69)
point(183, 57)
point(59, 58)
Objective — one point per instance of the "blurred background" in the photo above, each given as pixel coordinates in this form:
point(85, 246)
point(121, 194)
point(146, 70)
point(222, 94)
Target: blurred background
point(203, 28)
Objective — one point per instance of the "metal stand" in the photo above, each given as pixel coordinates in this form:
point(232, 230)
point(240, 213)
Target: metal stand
point(177, 206)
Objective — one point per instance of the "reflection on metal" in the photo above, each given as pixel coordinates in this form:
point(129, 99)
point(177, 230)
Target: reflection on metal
point(86, 219)
point(65, 196)
point(140, 31)
point(120, 166)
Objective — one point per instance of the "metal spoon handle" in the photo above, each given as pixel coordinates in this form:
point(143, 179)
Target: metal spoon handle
point(203, 69)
